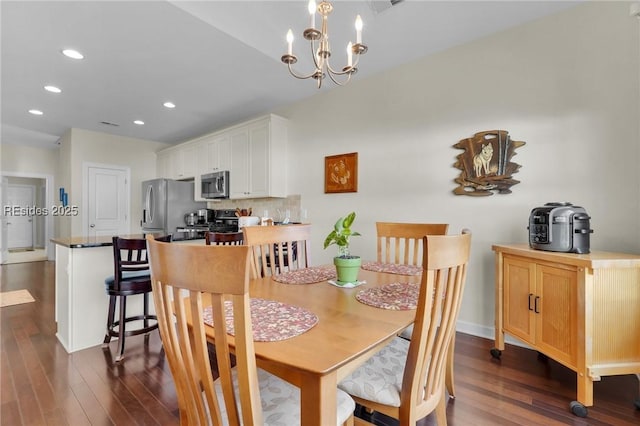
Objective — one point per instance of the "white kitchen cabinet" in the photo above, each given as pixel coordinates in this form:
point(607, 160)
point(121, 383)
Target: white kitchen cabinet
point(163, 164)
point(254, 152)
point(178, 162)
point(214, 153)
point(186, 161)
point(258, 159)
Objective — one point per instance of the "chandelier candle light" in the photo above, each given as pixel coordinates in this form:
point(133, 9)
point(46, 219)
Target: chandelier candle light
point(322, 52)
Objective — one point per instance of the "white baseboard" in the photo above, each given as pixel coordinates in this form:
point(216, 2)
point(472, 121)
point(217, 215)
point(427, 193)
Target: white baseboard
point(486, 333)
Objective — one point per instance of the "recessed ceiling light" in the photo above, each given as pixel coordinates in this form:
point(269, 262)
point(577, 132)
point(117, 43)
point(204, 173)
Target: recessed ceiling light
point(74, 54)
point(35, 112)
point(139, 122)
point(169, 104)
point(52, 89)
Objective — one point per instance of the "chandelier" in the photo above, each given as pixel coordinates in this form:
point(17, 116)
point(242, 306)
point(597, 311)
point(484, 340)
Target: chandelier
point(320, 50)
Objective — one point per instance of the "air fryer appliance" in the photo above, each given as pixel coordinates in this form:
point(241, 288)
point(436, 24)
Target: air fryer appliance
point(165, 203)
point(560, 227)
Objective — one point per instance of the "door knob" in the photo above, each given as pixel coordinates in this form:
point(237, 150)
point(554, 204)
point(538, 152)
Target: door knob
point(93, 225)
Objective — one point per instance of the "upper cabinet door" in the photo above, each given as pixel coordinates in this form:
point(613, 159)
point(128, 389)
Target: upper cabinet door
point(186, 162)
point(215, 153)
point(259, 160)
point(239, 175)
point(180, 162)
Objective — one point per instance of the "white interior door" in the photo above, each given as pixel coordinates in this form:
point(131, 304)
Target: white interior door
point(4, 241)
point(21, 199)
point(108, 206)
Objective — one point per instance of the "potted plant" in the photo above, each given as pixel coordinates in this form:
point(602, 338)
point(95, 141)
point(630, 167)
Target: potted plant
point(347, 266)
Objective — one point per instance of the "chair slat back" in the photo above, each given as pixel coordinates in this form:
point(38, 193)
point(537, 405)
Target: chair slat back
point(223, 238)
point(402, 243)
point(443, 279)
point(184, 277)
point(129, 255)
point(276, 249)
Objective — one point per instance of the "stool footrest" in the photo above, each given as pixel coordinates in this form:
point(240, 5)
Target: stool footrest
point(116, 333)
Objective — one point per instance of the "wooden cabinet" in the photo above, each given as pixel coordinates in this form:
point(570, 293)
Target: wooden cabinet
point(540, 307)
point(258, 159)
point(578, 309)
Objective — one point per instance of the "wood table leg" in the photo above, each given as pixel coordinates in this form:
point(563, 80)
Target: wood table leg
point(318, 400)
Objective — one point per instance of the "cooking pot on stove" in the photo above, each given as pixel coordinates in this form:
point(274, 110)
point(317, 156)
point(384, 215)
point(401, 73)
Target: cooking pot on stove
point(191, 219)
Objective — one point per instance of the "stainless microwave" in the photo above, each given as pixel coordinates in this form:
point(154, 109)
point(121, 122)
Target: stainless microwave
point(215, 185)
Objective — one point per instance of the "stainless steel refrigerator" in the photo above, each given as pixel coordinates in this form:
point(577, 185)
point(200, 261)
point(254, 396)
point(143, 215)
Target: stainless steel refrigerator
point(165, 202)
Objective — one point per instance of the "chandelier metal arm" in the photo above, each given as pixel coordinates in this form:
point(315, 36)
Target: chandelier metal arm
point(333, 78)
point(301, 77)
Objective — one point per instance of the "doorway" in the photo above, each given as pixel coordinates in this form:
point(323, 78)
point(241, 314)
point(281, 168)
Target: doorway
point(27, 230)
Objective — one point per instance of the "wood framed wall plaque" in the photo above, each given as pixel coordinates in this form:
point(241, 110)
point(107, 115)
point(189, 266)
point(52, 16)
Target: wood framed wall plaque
point(341, 173)
point(486, 164)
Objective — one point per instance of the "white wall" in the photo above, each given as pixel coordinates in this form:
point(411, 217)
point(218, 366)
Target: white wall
point(86, 146)
point(27, 161)
point(567, 85)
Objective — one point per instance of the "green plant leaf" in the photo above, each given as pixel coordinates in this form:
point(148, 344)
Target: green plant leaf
point(330, 239)
point(341, 232)
point(348, 220)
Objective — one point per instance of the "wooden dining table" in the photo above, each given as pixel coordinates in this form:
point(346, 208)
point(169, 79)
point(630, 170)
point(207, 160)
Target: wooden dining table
point(348, 332)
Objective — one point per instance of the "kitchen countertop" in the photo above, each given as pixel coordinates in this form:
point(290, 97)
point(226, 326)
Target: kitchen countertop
point(87, 242)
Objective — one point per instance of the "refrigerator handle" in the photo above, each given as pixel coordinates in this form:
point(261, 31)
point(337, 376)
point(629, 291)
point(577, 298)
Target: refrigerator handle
point(147, 212)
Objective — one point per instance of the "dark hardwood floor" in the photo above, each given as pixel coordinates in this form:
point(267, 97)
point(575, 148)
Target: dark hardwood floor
point(41, 384)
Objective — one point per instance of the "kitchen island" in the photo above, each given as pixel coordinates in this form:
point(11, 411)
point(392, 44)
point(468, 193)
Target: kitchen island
point(82, 264)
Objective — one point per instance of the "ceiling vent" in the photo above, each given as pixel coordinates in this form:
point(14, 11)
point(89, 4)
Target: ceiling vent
point(106, 123)
point(379, 6)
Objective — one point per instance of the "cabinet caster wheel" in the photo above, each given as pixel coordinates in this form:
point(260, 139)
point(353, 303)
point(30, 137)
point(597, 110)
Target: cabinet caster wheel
point(542, 357)
point(578, 409)
point(495, 353)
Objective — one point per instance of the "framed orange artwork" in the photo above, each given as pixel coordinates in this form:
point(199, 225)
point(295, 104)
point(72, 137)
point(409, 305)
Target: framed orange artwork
point(341, 173)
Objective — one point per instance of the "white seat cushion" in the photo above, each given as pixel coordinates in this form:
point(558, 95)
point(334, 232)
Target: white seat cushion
point(407, 332)
point(380, 378)
point(281, 401)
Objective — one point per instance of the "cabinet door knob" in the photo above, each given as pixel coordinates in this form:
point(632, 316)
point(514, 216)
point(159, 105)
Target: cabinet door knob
point(535, 305)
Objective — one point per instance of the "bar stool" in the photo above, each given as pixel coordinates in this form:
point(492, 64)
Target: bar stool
point(131, 277)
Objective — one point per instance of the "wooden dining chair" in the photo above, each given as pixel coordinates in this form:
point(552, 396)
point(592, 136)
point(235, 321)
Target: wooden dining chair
point(223, 238)
point(276, 249)
point(131, 277)
point(406, 379)
point(243, 394)
point(401, 243)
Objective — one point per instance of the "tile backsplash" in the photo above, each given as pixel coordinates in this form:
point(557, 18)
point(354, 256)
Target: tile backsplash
point(276, 207)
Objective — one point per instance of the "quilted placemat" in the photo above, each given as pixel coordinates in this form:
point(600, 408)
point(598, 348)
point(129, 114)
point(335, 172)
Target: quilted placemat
point(392, 268)
point(310, 275)
point(395, 296)
point(271, 320)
